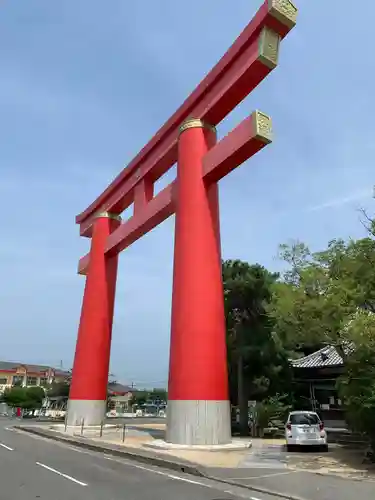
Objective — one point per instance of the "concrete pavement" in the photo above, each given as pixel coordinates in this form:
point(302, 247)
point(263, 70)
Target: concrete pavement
point(34, 467)
point(263, 469)
point(299, 485)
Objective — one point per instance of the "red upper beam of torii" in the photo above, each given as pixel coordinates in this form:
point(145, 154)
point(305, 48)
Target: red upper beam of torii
point(248, 61)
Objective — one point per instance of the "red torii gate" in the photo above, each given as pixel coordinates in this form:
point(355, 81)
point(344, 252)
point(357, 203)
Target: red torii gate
point(198, 406)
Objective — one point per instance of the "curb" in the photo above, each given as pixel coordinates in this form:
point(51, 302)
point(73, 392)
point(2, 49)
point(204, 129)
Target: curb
point(124, 453)
point(338, 476)
point(258, 489)
point(192, 469)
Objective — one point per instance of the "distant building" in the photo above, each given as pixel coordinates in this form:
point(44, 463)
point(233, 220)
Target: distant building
point(119, 401)
point(119, 397)
point(27, 375)
point(316, 376)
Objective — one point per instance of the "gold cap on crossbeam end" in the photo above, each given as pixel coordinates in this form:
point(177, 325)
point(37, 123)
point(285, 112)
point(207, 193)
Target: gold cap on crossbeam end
point(195, 123)
point(262, 125)
point(269, 42)
point(284, 11)
point(107, 215)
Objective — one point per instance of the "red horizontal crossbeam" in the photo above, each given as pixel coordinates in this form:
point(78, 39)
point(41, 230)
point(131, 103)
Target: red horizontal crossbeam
point(248, 61)
point(155, 212)
point(249, 137)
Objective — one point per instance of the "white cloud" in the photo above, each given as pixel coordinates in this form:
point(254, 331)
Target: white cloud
point(343, 200)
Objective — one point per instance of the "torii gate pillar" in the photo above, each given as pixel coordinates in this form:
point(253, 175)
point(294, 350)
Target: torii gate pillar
point(198, 406)
point(88, 390)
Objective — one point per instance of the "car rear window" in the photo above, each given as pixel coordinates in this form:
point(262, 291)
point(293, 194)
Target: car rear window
point(304, 419)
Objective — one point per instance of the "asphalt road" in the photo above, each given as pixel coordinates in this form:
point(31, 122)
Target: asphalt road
point(33, 467)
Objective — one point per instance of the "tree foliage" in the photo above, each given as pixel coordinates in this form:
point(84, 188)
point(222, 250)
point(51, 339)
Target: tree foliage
point(357, 384)
point(158, 394)
point(155, 395)
point(328, 297)
point(29, 398)
point(257, 361)
point(321, 292)
point(272, 410)
point(59, 389)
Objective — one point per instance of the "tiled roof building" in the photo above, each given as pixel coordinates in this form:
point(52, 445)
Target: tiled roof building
point(14, 373)
point(324, 357)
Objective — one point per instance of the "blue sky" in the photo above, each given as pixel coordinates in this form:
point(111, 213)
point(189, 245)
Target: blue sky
point(85, 83)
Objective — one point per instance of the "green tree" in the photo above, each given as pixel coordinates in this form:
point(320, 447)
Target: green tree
point(33, 398)
point(139, 397)
point(59, 389)
point(322, 291)
point(272, 410)
point(328, 297)
point(257, 362)
point(110, 404)
point(29, 398)
point(357, 385)
point(158, 394)
point(14, 396)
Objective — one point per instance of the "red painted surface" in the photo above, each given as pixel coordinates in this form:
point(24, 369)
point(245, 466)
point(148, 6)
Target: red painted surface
point(91, 361)
point(227, 84)
point(225, 156)
point(235, 148)
point(149, 216)
point(198, 368)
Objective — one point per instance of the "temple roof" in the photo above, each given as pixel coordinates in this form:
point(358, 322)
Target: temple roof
point(327, 356)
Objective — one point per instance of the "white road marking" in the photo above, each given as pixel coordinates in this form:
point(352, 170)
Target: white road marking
point(178, 478)
point(6, 447)
point(272, 475)
point(61, 474)
point(165, 474)
point(254, 498)
point(262, 476)
point(123, 461)
point(113, 459)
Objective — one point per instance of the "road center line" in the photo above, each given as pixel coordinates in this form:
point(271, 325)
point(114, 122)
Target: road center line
point(161, 473)
point(6, 447)
point(263, 476)
point(273, 474)
point(178, 478)
point(61, 474)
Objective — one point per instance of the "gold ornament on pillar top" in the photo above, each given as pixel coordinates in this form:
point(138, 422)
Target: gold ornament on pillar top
point(284, 11)
point(107, 215)
point(262, 125)
point(269, 42)
point(195, 123)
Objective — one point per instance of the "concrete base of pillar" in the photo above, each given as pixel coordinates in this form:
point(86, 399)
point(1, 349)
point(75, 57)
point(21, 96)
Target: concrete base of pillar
point(234, 445)
point(202, 423)
point(91, 412)
point(76, 428)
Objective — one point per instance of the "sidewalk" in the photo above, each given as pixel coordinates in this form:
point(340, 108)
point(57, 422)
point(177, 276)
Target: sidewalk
point(266, 467)
point(299, 485)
